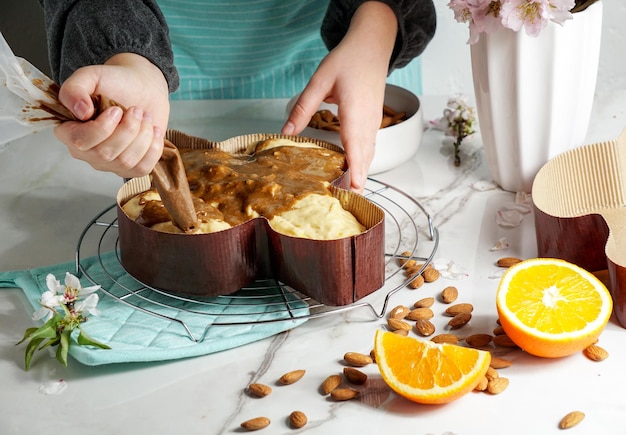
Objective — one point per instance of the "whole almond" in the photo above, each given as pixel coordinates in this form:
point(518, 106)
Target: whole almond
point(356, 359)
point(399, 312)
point(482, 384)
point(417, 282)
point(508, 261)
point(572, 419)
point(402, 332)
point(478, 340)
point(404, 257)
point(595, 353)
point(297, 419)
point(449, 294)
point(355, 376)
point(445, 338)
point(259, 390)
point(373, 355)
point(424, 327)
point(491, 374)
point(500, 363)
point(256, 423)
point(420, 313)
point(395, 324)
point(424, 303)
point(341, 394)
point(498, 330)
point(455, 309)
point(503, 340)
point(330, 383)
point(497, 385)
point(291, 377)
point(459, 320)
point(431, 275)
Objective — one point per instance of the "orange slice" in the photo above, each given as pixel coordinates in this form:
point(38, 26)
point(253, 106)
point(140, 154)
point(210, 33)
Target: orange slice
point(427, 372)
point(552, 308)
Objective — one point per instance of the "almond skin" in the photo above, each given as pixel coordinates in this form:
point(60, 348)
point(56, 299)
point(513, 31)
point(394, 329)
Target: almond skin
point(297, 419)
point(291, 377)
point(424, 303)
point(445, 338)
point(449, 294)
point(417, 282)
point(572, 419)
point(259, 390)
point(395, 324)
point(424, 327)
point(399, 312)
point(431, 275)
point(455, 309)
point(478, 340)
point(356, 359)
point(497, 385)
point(500, 363)
point(508, 261)
point(330, 383)
point(355, 376)
point(341, 394)
point(459, 320)
point(420, 313)
point(595, 353)
point(256, 423)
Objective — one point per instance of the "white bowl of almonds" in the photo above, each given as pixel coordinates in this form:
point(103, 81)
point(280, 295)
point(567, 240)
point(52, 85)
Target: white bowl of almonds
point(397, 140)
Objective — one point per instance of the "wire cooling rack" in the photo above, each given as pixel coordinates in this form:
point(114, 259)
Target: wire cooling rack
point(408, 229)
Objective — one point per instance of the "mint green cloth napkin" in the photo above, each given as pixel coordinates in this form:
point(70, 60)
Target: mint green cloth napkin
point(137, 336)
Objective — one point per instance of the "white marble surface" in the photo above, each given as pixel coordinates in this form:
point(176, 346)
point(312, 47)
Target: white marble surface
point(46, 199)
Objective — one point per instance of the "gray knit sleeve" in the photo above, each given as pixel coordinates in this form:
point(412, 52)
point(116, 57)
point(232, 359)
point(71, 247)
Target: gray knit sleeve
point(417, 22)
point(88, 32)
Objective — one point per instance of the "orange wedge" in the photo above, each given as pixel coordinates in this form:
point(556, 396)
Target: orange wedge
point(427, 372)
point(552, 308)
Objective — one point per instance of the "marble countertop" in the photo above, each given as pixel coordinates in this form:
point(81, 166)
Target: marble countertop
point(46, 199)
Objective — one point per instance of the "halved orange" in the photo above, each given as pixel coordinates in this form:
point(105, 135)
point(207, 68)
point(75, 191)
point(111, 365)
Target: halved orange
point(552, 308)
point(427, 372)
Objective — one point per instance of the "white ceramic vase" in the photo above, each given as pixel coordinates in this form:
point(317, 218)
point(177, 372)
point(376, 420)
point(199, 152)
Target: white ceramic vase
point(534, 94)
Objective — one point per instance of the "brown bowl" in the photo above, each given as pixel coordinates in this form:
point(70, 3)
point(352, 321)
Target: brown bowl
point(333, 272)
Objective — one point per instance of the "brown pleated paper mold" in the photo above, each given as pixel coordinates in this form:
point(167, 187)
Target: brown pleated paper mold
point(580, 215)
point(333, 272)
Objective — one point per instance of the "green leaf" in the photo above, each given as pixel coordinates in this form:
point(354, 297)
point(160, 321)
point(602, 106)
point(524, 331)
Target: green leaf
point(27, 334)
point(51, 342)
point(64, 347)
point(30, 350)
point(85, 340)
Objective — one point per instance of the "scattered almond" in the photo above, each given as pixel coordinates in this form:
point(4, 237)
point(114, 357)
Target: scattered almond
point(395, 324)
point(256, 423)
point(420, 313)
point(445, 338)
point(508, 261)
point(341, 394)
point(459, 320)
point(500, 363)
point(482, 384)
point(497, 385)
point(404, 257)
point(373, 355)
point(498, 330)
point(330, 383)
point(430, 275)
point(399, 312)
point(417, 282)
point(424, 327)
point(424, 303)
point(503, 341)
point(491, 374)
point(402, 332)
point(297, 419)
point(449, 294)
point(291, 377)
point(595, 353)
point(455, 309)
point(259, 390)
point(354, 375)
point(356, 359)
point(572, 419)
point(478, 340)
